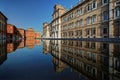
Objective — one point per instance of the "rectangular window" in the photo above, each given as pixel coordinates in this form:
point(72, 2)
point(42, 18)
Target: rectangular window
point(105, 31)
point(88, 32)
point(0, 25)
point(104, 1)
point(88, 20)
point(72, 24)
point(81, 11)
point(105, 16)
point(94, 31)
point(94, 56)
point(88, 7)
point(76, 33)
point(77, 23)
point(80, 32)
point(66, 19)
point(94, 19)
point(117, 12)
point(0, 17)
point(76, 13)
point(94, 5)
point(81, 22)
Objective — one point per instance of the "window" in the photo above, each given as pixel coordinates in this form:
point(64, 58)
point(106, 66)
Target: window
point(94, 5)
point(105, 31)
point(105, 45)
point(77, 23)
point(88, 32)
point(77, 13)
point(0, 25)
point(0, 17)
point(81, 22)
point(117, 66)
point(88, 20)
point(94, 56)
point(94, 20)
point(88, 7)
point(64, 19)
point(117, 11)
point(70, 16)
point(94, 31)
point(104, 1)
point(56, 14)
point(105, 16)
point(71, 25)
point(80, 32)
point(81, 11)
point(76, 33)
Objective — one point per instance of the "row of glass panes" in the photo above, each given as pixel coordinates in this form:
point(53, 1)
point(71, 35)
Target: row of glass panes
point(79, 12)
point(79, 23)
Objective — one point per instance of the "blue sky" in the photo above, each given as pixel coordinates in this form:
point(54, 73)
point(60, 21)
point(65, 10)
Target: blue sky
point(31, 13)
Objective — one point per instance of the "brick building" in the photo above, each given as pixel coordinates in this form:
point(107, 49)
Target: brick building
point(37, 35)
point(29, 33)
point(3, 25)
point(30, 43)
point(21, 44)
point(37, 42)
point(22, 32)
point(11, 32)
point(10, 47)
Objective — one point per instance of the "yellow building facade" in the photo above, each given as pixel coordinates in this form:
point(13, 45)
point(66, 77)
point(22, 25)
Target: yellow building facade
point(87, 19)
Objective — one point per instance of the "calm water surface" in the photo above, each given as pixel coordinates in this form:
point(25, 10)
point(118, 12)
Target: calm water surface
point(59, 60)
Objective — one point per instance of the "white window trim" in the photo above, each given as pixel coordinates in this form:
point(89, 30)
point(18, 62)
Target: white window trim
point(116, 17)
point(88, 18)
point(92, 19)
point(81, 10)
point(81, 22)
point(95, 5)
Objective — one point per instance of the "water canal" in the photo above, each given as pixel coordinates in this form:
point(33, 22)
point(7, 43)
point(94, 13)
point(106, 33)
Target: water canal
point(59, 60)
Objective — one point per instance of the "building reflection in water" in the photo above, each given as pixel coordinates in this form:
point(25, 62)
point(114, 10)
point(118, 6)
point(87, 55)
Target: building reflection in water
point(11, 46)
point(3, 51)
point(92, 60)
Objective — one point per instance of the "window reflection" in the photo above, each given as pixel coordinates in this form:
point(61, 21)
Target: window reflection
point(94, 60)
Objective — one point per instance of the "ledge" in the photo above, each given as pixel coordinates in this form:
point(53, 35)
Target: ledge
point(87, 39)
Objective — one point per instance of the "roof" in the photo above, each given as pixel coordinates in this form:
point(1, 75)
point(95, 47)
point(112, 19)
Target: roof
point(74, 7)
point(3, 15)
point(11, 24)
point(20, 28)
